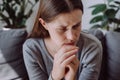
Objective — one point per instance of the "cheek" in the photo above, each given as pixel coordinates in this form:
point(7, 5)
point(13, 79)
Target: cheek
point(59, 40)
point(77, 32)
point(57, 37)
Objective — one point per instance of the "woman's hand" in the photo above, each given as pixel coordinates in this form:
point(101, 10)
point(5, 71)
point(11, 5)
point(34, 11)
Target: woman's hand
point(71, 69)
point(62, 61)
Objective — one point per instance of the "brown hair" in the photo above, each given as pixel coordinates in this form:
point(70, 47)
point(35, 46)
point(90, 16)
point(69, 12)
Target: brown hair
point(48, 10)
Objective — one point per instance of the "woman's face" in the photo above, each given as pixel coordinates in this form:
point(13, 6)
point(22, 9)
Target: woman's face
point(66, 28)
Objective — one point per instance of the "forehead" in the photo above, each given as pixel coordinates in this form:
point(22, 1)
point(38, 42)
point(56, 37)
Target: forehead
point(66, 19)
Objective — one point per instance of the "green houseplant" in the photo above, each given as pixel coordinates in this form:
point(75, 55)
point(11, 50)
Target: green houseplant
point(14, 13)
point(106, 15)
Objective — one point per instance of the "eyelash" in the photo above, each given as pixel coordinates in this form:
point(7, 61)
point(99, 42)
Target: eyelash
point(63, 29)
point(74, 27)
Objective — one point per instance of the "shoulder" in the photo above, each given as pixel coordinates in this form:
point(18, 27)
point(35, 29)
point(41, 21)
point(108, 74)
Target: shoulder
point(31, 42)
point(31, 47)
point(90, 44)
point(90, 39)
point(92, 47)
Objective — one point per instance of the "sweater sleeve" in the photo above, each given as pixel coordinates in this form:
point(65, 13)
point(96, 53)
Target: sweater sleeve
point(91, 61)
point(35, 72)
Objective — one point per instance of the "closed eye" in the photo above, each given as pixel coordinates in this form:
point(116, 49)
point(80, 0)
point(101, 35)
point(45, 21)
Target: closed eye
point(62, 29)
point(77, 25)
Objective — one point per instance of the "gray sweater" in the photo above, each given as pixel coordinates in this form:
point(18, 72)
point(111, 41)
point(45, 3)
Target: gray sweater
point(39, 63)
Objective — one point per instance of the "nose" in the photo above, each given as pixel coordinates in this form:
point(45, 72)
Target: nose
point(71, 35)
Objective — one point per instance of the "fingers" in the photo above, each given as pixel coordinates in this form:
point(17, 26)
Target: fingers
point(71, 69)
point(72, 60)
point(73, 66)
point(68, 56)
point(68, 60)
point(62, 58)
point(75, 62)
point(65, 49)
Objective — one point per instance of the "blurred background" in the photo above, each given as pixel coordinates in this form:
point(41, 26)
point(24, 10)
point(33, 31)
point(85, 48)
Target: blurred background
point(89, 13)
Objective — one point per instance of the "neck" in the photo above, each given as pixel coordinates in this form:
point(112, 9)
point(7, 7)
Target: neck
point(52, 50)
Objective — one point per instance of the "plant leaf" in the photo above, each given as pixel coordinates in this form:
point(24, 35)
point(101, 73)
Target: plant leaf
point(110, 13)
point(15, 12)
point(18, 2)
point(8, 1)
point(104, 23)
point(29, 14)
point(5, 19)
point(113, 6)
point(96, 26)
point(96, 19)
point(115, 20)
point(98, 8)
point(36, 1)
point(117, 2)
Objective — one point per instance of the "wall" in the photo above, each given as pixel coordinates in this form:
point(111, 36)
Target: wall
point(87, 12)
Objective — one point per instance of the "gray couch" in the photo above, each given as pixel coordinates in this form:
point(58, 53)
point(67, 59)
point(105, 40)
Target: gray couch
point(12, 65)
point(11, 59)
point(111, 54)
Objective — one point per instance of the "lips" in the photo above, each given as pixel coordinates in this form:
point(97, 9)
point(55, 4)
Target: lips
point(69, 44)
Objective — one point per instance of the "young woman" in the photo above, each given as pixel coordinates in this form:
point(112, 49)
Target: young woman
point(57, 49)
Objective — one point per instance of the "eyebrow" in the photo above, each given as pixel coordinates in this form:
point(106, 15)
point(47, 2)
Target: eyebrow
point(64, 26)
point(77, 24)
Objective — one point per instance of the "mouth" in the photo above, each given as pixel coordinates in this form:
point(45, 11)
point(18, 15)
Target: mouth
point(69, 43)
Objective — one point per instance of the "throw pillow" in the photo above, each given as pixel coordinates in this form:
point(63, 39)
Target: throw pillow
point(11, 59)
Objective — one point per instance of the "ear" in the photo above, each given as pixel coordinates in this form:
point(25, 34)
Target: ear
point(43, 23)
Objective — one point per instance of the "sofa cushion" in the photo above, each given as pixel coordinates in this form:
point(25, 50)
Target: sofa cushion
point(97, 33)
point(11, 58)
point(113, 55)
